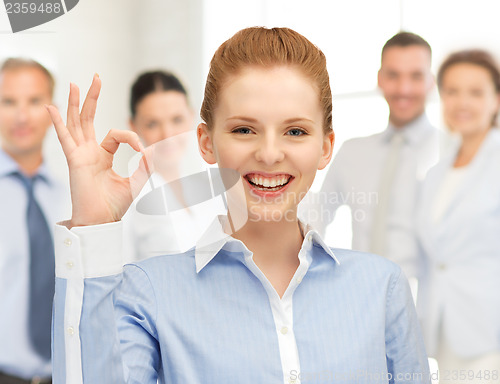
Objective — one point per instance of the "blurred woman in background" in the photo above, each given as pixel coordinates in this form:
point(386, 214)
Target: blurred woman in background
point(458, 227)
point(160, 113)
point(162, 118)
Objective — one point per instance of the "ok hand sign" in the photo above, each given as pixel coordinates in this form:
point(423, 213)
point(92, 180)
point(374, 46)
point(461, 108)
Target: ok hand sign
point(98, 194)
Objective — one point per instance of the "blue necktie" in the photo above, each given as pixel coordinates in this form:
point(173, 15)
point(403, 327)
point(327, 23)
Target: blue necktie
point(42, 275)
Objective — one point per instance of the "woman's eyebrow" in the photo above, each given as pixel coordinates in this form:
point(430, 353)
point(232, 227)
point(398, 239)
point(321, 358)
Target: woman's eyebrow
point(298, 120)
point(243, 118)
point(287, 121)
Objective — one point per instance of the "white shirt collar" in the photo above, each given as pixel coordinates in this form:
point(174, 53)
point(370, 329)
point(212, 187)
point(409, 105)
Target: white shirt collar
point(413, 132)
point(215, 238)
point(8, 166)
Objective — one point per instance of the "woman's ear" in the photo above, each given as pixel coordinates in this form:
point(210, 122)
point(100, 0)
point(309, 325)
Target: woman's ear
point(328, 141)
point(205, 144)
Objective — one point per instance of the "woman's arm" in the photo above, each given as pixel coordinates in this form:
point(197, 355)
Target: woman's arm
point(87, 342)
point(104, 328)
point(407, 360)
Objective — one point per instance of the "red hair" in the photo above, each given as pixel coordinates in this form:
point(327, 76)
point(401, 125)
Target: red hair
point(264, 47)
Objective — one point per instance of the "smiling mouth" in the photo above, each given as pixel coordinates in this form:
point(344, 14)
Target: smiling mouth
point(22, 132)
point(268, 184)
point(403, 100)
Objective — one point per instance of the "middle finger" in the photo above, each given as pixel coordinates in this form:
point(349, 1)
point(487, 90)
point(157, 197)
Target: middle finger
point(73, 117)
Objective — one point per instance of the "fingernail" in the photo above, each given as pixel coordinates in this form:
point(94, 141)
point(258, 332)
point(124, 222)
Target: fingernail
point(96, 74)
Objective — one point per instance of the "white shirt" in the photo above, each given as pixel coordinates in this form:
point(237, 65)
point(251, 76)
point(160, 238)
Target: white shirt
point(451, 183)
point(353, 180)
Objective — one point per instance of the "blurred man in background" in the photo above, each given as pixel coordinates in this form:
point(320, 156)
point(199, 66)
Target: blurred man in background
point(31, 201)
point(377, 176)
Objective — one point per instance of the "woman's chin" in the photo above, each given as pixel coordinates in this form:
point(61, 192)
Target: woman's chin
point(271, 214)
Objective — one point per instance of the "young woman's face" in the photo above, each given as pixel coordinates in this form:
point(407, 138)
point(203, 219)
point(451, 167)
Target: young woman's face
point(160, 116)
point(269, 127)
point(469, 99)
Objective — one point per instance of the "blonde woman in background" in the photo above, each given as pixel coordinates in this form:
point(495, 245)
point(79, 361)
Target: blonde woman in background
point(458, 227)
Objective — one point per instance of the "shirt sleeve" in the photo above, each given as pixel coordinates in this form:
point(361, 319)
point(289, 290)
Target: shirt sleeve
point(130, 249)
point(104, 316)
point(407, 360)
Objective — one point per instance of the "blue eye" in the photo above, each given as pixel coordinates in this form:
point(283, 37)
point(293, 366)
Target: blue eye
point(8, 102)
point(296, 132)
point(242, 130)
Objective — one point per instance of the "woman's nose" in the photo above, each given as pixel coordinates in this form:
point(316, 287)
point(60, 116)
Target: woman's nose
point(269, 150)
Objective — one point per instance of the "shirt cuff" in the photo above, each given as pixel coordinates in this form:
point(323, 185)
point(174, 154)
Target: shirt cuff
point(86, 252)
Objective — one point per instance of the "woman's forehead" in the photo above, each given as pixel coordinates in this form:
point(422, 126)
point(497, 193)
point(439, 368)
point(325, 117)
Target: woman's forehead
point(271, 70)
point(256, 89)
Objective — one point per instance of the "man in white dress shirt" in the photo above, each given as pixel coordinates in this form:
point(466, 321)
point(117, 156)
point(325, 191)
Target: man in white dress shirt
point(377, 176)
point(31, 202)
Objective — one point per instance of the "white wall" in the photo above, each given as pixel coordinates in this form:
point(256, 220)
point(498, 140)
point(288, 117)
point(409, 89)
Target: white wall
point(117, 39)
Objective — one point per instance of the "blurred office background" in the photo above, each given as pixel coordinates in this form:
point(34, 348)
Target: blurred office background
point(120, 38)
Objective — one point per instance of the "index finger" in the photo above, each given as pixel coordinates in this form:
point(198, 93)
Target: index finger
point(89, 107)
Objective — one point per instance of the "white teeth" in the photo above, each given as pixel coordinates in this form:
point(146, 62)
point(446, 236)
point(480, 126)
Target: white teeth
point(269, 182)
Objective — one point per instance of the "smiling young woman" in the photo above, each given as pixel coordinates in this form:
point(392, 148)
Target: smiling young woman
point(266, 303)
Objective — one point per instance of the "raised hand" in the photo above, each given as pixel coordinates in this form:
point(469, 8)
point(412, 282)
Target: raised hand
point(98, 194)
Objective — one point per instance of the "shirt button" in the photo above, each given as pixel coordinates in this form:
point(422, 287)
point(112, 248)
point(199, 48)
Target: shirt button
point(71, 331)
point(70, 264)
point(68, 242)
point(310, 237)
point(299, 279)
point(284, 330)
point(442, 267)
